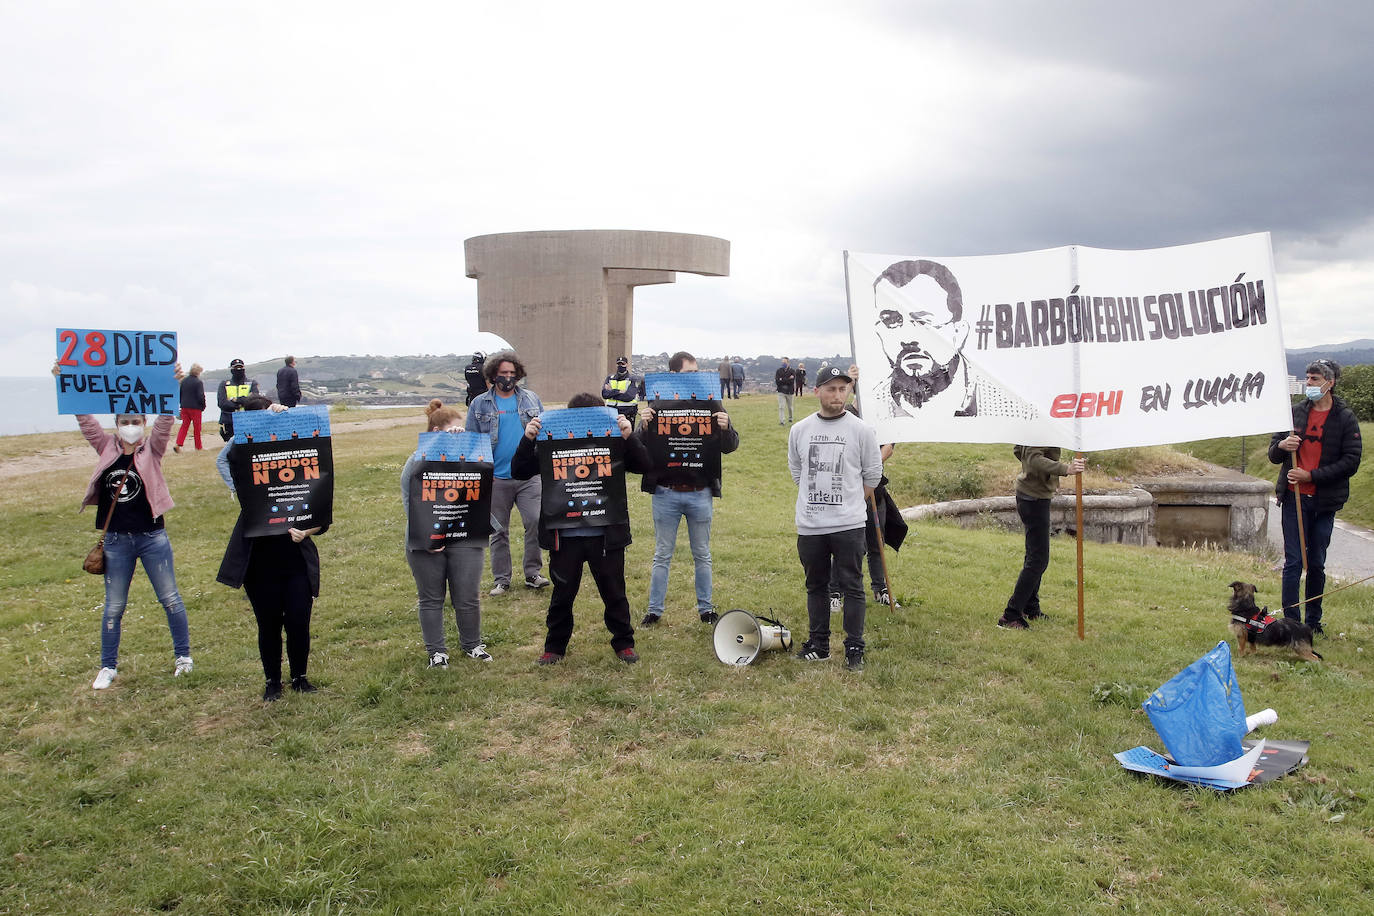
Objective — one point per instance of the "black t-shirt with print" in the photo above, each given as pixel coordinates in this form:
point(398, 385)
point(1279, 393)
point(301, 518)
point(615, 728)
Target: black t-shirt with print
point(132, 512)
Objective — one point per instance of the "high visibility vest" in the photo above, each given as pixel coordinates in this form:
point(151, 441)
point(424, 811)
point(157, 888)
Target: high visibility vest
point(232, 392)
point(623, 392)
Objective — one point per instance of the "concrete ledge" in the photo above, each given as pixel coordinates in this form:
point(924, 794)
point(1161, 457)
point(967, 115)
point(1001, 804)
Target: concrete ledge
point(1118, 517)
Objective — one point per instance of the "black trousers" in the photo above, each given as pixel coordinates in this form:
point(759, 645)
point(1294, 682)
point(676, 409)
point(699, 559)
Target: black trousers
point(833, 561)
point(1035, 516)
point(278, 587)
point(608, 572)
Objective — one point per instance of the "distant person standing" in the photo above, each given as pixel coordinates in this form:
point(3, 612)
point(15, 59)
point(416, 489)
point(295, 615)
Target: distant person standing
point(836, 464)
point(623, 390)
point(503, 412)
point(785, 380)
point(724, 370)
point(801, 378)
point(192, 406)
point(736, 375)
point(474, 376)
point(233, 392)
point(1318, 458)
point(288, 383)
point(1035, 486)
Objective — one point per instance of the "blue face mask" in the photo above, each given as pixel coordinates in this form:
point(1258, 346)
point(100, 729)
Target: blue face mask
point(1314, 392)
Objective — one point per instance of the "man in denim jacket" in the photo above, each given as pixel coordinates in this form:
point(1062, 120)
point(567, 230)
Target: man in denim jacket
point(502, 413)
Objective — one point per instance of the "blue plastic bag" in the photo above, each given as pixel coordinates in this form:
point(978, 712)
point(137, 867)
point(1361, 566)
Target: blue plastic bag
point(1199, 713)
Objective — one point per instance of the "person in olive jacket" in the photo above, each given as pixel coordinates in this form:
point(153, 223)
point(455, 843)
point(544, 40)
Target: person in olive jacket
point(1035, 486)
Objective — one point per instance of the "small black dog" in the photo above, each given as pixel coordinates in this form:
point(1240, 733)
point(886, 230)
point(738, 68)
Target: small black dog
point(1253, 626)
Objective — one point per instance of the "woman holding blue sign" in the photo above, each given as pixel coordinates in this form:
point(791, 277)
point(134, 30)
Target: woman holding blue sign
point(453, 566)
point(131, 497)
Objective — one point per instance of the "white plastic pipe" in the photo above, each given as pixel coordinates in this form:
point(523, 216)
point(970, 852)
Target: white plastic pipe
point(1263, 717)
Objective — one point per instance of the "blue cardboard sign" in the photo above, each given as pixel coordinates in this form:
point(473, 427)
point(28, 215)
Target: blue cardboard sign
point(445, 446)
point(104, 371)
point(579, 422)
point(307, 422)
point(682, 386)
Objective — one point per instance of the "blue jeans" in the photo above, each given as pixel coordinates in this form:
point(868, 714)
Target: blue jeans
point(1316, 530)
point(670, 506)
point(123, 550)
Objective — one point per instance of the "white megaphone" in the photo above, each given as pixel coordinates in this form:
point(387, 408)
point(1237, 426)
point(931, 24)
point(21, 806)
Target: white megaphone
point(739, 637)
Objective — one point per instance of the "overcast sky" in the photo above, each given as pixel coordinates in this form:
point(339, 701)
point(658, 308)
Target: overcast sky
point(299, 177)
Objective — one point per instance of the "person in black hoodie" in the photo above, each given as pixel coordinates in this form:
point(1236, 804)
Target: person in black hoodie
point(602, 550)
point(1319, 456)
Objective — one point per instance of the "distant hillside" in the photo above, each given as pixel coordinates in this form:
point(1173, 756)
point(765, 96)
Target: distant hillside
point(1353, 353)
point(374, 379)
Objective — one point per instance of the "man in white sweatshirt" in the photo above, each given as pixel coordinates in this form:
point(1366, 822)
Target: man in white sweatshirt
point(835, 462)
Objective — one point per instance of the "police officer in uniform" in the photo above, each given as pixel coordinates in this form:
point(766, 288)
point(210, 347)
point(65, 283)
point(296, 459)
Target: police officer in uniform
point(623, 391)
point(233, 391)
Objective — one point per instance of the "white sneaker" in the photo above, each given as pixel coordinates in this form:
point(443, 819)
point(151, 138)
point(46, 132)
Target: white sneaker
point(499, 590)
point(184, 665)
point(536, 581)
point(438, 660)
point(478, 652)
point(103, 679)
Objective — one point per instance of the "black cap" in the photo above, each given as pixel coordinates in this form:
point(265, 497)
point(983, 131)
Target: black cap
point(829, 373)
point(235, 364)
point(622, 361)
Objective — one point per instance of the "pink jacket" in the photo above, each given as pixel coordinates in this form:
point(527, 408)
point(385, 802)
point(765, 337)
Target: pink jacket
point(147, 460)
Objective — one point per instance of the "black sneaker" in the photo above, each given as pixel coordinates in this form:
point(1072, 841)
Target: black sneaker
point(854, 658)
point(882, 597)
point(301, 685)
point(1012, 623)
point(627, 655)
point(810, 652)
point(549, 658)
point(650, 619)
point(709, 617)
point(272, 692)
point(1036, 615)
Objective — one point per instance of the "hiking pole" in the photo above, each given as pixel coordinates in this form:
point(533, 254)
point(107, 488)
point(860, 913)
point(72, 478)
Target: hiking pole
point(1324, 594)
point(882, 553)
point(1078, 532)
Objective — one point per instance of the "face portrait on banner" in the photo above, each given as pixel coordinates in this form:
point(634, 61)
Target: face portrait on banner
point(922, 336)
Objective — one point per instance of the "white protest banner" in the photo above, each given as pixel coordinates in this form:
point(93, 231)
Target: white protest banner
point(1082, 347)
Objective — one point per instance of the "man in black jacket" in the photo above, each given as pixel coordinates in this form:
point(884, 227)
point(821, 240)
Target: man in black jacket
point(288, 383)
point(1319, 456)
point(677, 497)
point(475, 376)
point(601, 549)
point(232, 394)
point(785, 380)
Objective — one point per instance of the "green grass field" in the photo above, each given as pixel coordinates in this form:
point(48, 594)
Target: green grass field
point(967, 770)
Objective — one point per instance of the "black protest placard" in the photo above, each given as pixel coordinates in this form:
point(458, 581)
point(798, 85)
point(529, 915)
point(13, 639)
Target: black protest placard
point(583, 482)
point(682, 441)
point(450, 503)
point(288, 483)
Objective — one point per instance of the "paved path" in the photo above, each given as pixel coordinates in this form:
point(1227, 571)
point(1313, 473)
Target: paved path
point(1350, 556)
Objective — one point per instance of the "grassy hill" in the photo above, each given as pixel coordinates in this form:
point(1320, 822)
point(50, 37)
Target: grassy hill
point(967, 770)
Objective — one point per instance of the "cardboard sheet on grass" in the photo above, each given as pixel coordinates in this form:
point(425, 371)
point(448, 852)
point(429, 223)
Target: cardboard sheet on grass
point(683, 439)
point(1200, 716)
point(292, 463)
point(582, 468)
point(450, 490)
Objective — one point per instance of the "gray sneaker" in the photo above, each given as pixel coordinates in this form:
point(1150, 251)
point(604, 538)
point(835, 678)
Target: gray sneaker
point(498, 590)
point(536, 582)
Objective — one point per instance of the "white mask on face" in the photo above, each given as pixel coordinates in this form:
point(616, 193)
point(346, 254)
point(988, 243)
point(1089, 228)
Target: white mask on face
point(130, 433)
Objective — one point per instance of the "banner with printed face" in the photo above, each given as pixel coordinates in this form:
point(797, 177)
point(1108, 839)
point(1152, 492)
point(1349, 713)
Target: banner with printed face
point(102, 371)
point(291, 469)
point(1082, 347)
point(450, 490)
point(582, 469)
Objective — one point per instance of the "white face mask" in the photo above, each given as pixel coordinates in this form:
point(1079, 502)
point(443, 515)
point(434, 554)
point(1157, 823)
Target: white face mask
point(130, 433)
